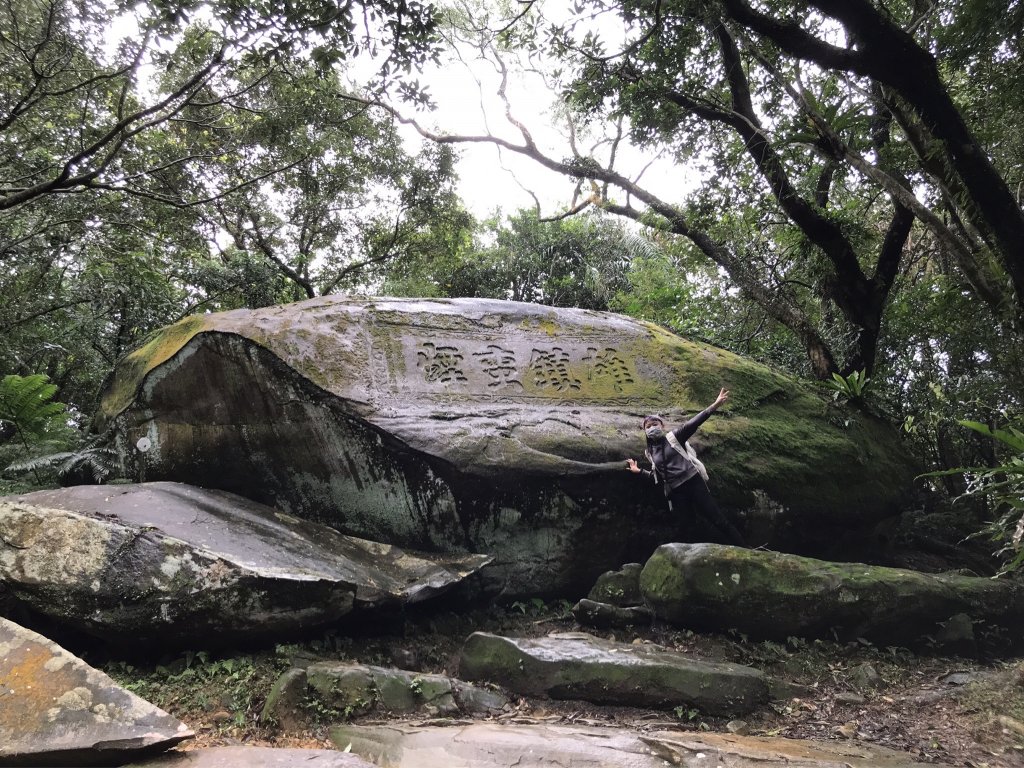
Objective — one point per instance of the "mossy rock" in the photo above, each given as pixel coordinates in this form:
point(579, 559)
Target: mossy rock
point(487, 426)
point(620, 587)
point(580, 666)
point(774, 595)
point(348, 690)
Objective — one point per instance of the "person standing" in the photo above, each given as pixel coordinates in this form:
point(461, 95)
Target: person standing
point(675, 466)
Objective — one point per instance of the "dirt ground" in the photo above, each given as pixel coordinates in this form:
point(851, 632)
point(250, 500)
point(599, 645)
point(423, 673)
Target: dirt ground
point(938, 710)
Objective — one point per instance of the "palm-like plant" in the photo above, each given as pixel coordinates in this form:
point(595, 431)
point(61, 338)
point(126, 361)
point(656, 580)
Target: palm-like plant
point(1003, 487)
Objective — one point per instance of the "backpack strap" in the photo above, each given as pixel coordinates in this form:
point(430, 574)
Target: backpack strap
point(687, 451)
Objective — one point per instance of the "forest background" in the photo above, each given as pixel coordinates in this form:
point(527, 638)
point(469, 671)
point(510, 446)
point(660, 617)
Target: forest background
point(831, 187)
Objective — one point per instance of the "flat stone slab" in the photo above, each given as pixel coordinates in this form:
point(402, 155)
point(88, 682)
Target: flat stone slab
point(256, 757)
point(475, 425)
point(56, 710)
point(170, 561)
point(356, 689)
point(702, 750)
point(579, 666)
point(774, 595)
point(603, 615)
point(492, 745)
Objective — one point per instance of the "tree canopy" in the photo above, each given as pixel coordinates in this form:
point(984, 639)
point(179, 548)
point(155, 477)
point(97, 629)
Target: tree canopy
point(835, 144)
point(847, 196)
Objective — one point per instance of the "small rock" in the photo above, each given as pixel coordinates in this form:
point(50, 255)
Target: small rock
point(865, 677)
point(848, 697)
point(221, 716)
point(738, 727)
point(956, 637)
point(847, 730)
point(961, 678)
point(620, 588)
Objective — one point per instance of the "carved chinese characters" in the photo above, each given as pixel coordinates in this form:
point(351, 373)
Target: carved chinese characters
point(527, 370)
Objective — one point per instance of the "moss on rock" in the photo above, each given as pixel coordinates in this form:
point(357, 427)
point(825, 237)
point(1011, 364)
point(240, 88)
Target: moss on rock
point(774, 595)
point(431, 422)
point(579, 666)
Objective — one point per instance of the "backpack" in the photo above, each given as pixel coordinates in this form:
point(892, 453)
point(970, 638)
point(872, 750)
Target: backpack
point(687, 450)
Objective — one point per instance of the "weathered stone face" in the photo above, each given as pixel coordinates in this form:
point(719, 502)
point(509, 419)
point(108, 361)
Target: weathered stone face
point(496, 745)
point(474, 425)
point(57, 710)
point(169, 562)
point(580, 666)
point(256, 757)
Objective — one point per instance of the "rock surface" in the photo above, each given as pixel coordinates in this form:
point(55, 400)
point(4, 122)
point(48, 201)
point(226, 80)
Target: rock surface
point(604, 615)
point(580, 666)
point(621, 587)
point(774, 595)
point(169, 561)
point(356, 689)
point(487, 426)
point(56, 710)
point(256, 757)
point(490, 745)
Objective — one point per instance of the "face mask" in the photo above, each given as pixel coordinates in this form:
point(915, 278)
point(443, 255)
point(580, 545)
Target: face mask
point(655, 433)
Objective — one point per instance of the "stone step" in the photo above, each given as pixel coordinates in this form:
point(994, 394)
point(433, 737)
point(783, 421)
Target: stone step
point(494, 745)
point(576, 665)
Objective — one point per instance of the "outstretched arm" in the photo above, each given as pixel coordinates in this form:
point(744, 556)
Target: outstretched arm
point(686, 431)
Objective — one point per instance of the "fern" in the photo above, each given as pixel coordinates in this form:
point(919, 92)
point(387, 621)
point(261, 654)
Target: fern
point(28, 410)
point(26, 403)
point(96, 458)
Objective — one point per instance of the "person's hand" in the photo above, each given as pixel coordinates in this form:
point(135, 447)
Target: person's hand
point(631, 465)
point(723, 395)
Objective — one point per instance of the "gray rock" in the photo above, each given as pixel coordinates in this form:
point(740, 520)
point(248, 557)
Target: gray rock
point(474, 700)
point(56, 710)
point(621, 587)
point(955, 637)
point(170, 562)
point(603, 615)
point(486, 426)
point(773, 595)
point(580, 666)
point(738, 727)
point(348, 690)
point(964, 678)
point(865, 677)
point(256, 757)
point(492, 745)
point(285, 702)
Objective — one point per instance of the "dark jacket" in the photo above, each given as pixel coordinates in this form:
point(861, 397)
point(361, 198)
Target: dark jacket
point(668, 466)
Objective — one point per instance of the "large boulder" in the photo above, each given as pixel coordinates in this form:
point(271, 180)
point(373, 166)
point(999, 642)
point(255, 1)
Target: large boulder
point(57, 710)
point(775, 595)
point(493, 745)
point(170, 562)
point(579, 666)
point(487, 426)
